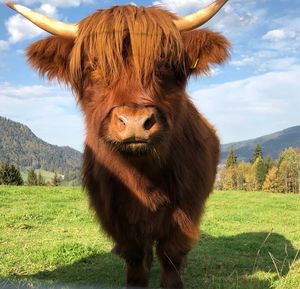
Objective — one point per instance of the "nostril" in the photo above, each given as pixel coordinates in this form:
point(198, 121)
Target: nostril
point(149, 122)
point(122, 120)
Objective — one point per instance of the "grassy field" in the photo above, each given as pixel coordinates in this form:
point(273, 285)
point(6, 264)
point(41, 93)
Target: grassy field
point(49, 236)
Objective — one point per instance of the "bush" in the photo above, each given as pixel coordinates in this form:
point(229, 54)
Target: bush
point(10, 175)
point(32, 179)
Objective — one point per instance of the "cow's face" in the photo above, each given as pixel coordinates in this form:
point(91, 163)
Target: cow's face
point(128, 67)
point(131, 63)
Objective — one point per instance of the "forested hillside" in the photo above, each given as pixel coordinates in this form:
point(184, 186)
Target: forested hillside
point(18, 145)
point(272, 144)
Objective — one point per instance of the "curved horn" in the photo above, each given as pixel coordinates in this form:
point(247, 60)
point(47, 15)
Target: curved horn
point(52, 26)
point(197, 19)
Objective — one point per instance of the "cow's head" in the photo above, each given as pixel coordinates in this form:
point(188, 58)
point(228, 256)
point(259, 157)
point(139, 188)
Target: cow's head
point(128, 67)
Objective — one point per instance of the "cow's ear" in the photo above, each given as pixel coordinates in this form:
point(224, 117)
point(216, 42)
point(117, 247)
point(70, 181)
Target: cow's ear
point(50, 57)
point(203, 49)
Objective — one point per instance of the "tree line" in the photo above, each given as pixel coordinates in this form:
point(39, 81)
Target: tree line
point(11, 175)
point(280, 176)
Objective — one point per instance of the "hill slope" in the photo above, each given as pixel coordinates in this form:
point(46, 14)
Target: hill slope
point(272, 144)
point(20, 146)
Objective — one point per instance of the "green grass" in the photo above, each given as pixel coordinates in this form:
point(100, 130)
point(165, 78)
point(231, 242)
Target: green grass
point(49, 236)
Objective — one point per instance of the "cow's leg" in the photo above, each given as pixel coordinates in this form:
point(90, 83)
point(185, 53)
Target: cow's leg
point(138, 260)
point(139, 263)
point(172, 254)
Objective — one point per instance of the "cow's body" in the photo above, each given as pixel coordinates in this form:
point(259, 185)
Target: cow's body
point(184, 178)
point(150, 158)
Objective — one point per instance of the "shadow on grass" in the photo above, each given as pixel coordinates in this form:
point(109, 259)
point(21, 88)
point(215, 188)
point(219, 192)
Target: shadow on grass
point(222, 262)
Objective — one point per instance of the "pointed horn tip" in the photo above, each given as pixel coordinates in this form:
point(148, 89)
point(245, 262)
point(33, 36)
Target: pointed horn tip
point(10, 4)
point(193, 21)
point(222, 2)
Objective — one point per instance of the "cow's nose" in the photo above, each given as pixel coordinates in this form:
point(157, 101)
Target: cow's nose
point(141, 121)
point(135, 123)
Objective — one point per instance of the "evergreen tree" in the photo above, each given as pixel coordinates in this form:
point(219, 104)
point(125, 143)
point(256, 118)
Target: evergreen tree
point(16, 178)
point(32, 179)
point(40, 180)
point(269, 163)
point(260, 170)
point(56, 180)
point(257, 153)
point(231, 158)
point(10, 175)
point(5, 173)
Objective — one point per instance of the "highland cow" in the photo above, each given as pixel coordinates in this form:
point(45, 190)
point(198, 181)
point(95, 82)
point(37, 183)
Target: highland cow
point(150, 157)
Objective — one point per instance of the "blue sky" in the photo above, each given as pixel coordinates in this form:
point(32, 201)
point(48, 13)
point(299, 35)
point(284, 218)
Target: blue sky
point(255, 93)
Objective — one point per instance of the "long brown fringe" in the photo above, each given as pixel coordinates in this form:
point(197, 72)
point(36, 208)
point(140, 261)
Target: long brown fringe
point(126, 39)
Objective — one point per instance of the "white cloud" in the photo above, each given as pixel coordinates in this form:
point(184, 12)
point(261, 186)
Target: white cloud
point(254, 106)
point(264, 61)
point(245, 61)
point(279, 64)
point(279, 34)
point(49, 111)
point(48, 9)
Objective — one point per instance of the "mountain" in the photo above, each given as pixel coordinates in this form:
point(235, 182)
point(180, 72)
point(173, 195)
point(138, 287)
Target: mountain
point(20, 146)
point(272, 144)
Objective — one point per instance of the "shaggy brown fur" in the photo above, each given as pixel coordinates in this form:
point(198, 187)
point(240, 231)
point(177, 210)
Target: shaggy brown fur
point(135, 57)
point(122, 37)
